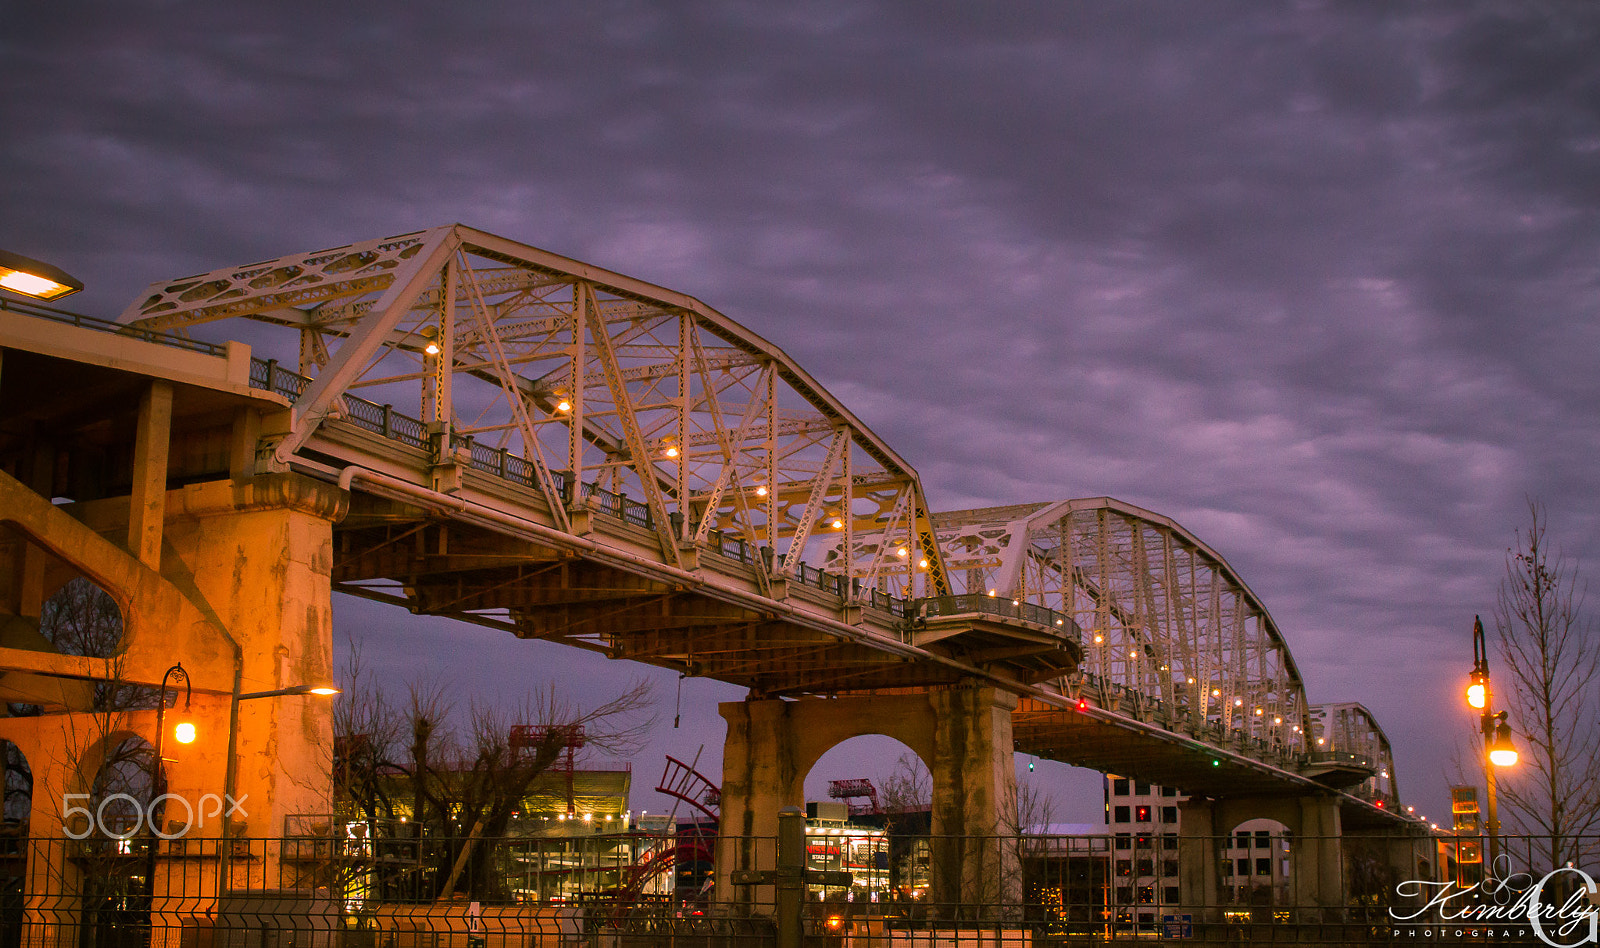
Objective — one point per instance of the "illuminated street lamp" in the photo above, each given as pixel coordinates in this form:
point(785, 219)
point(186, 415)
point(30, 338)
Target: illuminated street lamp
point(184, 733)
point(1497, 745)
point(225, 854)
point(31, 277)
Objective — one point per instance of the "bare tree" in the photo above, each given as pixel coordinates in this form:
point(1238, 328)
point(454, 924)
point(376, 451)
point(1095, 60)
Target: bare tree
point(908, 790)
point(906, 797)
point(458, 789)
point(1553, 658)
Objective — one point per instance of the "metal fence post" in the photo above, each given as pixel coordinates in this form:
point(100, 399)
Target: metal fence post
point(791, 874)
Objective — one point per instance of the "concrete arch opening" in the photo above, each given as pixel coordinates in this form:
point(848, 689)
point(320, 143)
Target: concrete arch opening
point(1256, 869)
point(116, 885)
point(869, 804)
point(964, 734)
point(81, 618)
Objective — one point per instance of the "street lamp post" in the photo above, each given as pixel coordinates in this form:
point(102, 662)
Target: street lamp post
point(183, 733)
point(1498, 748)
point(225, 848)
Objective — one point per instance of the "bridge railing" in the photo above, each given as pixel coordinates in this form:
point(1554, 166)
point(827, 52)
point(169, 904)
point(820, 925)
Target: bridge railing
point(970, 603)
point(1345, 758)
point(1124, 699)
point(106, 325)
point(384, 421)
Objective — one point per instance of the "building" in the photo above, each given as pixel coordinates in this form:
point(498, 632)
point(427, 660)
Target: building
point(836, 841)
point(572, 837)
point(1143, 820)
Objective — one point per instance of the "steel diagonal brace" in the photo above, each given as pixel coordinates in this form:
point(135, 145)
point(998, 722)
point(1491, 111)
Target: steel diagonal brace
point(730, 461)
point(352, 358)
point(901, 507)
point(819, 491)
point(929, 543)
point(642, 464)
point(519, 408)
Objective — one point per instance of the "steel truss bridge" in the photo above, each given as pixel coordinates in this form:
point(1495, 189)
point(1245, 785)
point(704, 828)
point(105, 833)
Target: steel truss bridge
point(566, 453)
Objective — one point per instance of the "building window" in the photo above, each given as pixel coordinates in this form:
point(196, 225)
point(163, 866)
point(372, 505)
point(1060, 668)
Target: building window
point(1227, 869)
point(1169, 840)
point(1169, 814)
point(1147, 895)
point(1244, 867)
point(1170, 895)
point(1264, 866)
point(1121, 814)
point(1124, 895)
point(1142, 789)
point(1119, 787)
point(1124, 867)
point(1263, 839)
point(1241, 841)
point(1142, 814)
point(1169, 791)
point(1123, 842)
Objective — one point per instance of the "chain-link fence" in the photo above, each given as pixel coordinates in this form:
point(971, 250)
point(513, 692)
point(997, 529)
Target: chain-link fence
point(345, 888)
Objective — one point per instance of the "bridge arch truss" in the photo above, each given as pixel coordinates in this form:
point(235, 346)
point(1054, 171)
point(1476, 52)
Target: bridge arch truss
point(1170, 630)
point(590, 387)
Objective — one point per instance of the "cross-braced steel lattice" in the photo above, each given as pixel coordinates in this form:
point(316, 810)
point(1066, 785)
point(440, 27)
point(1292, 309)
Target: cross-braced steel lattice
point(586, 382)
point(1347, 732)
point(1166, 621)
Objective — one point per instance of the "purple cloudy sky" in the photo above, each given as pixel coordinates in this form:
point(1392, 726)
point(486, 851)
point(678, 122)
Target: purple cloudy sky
point(1314, 279)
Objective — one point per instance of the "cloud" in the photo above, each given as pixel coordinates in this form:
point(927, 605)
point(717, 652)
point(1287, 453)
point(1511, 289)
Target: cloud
point(1315, 279)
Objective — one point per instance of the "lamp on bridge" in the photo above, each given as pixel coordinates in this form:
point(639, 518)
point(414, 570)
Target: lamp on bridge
point(1497, 744)
point(30, 277)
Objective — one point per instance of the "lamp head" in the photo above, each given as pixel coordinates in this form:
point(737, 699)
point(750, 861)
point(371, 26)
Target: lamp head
point(1502, 753)
point(30, 277)
point(1478, 692)
point(184, 732)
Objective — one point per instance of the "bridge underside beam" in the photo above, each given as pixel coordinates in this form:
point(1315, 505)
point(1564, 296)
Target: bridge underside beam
point(1171, 760)
point(394, 553)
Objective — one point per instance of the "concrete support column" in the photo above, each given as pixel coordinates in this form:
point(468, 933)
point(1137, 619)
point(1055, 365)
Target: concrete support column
point(1197, 859)
point(975, 859)
point(148, 501)
point(760, 776)
point(259, 553)
point(1316, 859)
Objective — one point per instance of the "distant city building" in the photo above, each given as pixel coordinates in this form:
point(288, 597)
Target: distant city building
point(1465, 855)
point(572, 837)
point(861, 847)
point(1143, 820)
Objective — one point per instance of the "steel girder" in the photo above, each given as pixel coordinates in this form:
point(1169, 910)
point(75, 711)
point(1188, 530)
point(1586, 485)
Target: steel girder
point(599, 381)
point(1170, 630)
point(1348, 730)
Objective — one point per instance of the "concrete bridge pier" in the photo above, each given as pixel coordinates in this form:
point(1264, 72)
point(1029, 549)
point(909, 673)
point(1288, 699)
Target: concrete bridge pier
point(232, 579)
point(963, 734)
point(1316, 859)
point(259, 554)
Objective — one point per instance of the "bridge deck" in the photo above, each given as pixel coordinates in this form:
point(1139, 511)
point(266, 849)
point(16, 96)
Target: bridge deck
point(461, 529)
